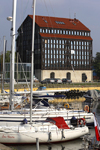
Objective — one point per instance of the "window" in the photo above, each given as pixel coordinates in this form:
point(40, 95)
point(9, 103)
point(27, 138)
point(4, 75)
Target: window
point(57, 31)
point(52, 31)
point(59, 22)
point(49, 30)
point(43, 30)
point(46, 30)
point(77, 32)
point(40, 30)
point(60, 31)
point(63, 31)
point(62, 41)
point(66, 32)
point(88, 34)
point(45, 21)
point(82, 33)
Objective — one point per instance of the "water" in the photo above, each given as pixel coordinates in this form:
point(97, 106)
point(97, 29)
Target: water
point(71, 145)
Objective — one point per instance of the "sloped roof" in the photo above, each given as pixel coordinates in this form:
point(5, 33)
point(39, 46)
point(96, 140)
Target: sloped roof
point(66, 36)
point(53, 22)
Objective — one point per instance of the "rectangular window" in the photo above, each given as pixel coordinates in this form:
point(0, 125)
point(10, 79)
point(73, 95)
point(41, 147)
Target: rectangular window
point(66, 32)
point(57, 46)
point(82, 33)
point(57, 31)
point(74, 32)
point(43, 31)
point(40, 30)
point(77, 32)
point(60, 31)
point(63, 31)
point(52, 31)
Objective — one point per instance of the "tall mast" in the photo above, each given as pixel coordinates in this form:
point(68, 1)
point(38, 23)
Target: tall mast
point(32, 60)
point(13, 54)
point(3, 65)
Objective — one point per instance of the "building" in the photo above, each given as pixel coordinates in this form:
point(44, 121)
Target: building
point(55, 39)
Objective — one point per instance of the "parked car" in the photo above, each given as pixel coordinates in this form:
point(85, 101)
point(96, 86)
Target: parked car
point(58, 80)
point(65, 80)
point(48, 80)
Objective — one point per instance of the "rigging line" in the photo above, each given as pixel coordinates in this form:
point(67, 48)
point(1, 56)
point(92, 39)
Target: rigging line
point(52, 8)
point(24, 72)
point(74, 72)
point(1, 41)
point(49, 18)
point(22, 15)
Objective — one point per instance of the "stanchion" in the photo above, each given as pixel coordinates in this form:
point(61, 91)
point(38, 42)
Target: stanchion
point(37, 144)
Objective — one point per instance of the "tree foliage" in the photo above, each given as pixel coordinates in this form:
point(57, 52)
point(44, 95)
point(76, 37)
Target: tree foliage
point(7, 57)
point(96, 64)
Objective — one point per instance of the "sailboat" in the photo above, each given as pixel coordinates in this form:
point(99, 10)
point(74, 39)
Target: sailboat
point(55, 131)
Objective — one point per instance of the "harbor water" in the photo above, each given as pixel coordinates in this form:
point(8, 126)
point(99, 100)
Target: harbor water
point(70, 145)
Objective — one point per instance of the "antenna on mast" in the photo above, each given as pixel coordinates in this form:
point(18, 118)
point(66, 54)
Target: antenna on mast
point(74, 15)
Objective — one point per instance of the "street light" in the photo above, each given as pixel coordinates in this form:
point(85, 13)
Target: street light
point(9, 18)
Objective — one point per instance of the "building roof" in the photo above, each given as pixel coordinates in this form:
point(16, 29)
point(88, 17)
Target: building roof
point(61, 23)
point(66, 36)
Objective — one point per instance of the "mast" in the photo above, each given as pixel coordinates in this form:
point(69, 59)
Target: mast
point(13, 54)
point(32, 60)
point(3, 65)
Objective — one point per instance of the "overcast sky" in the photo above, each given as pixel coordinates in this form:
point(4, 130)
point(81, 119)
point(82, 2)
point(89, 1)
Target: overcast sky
point(87, 11)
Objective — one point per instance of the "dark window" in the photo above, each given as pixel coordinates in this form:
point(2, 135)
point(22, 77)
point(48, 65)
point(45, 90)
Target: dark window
point(52, 75)
point(84, 77)
point(69, 75)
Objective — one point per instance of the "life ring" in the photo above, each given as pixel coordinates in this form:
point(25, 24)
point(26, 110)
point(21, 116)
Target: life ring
point(86, 108)
point(82, 121)
point(66, 105)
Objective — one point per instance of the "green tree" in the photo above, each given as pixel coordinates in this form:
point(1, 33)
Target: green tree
point(7, 56)
point(96, 64)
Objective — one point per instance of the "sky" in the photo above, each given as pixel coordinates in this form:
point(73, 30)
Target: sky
point(87, 11)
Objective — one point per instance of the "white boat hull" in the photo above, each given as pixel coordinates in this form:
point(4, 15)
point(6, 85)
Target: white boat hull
point(29, 136)
point(41, 115)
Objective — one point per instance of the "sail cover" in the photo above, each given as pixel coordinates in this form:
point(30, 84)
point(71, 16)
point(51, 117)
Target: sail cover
point(59, 122)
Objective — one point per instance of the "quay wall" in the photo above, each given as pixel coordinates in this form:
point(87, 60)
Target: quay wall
point(71, 88)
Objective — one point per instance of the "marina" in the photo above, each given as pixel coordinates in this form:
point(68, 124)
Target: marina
point(70, 145)
point(59, 108)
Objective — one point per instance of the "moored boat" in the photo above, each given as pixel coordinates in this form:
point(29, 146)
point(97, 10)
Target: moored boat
point(56, 130)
